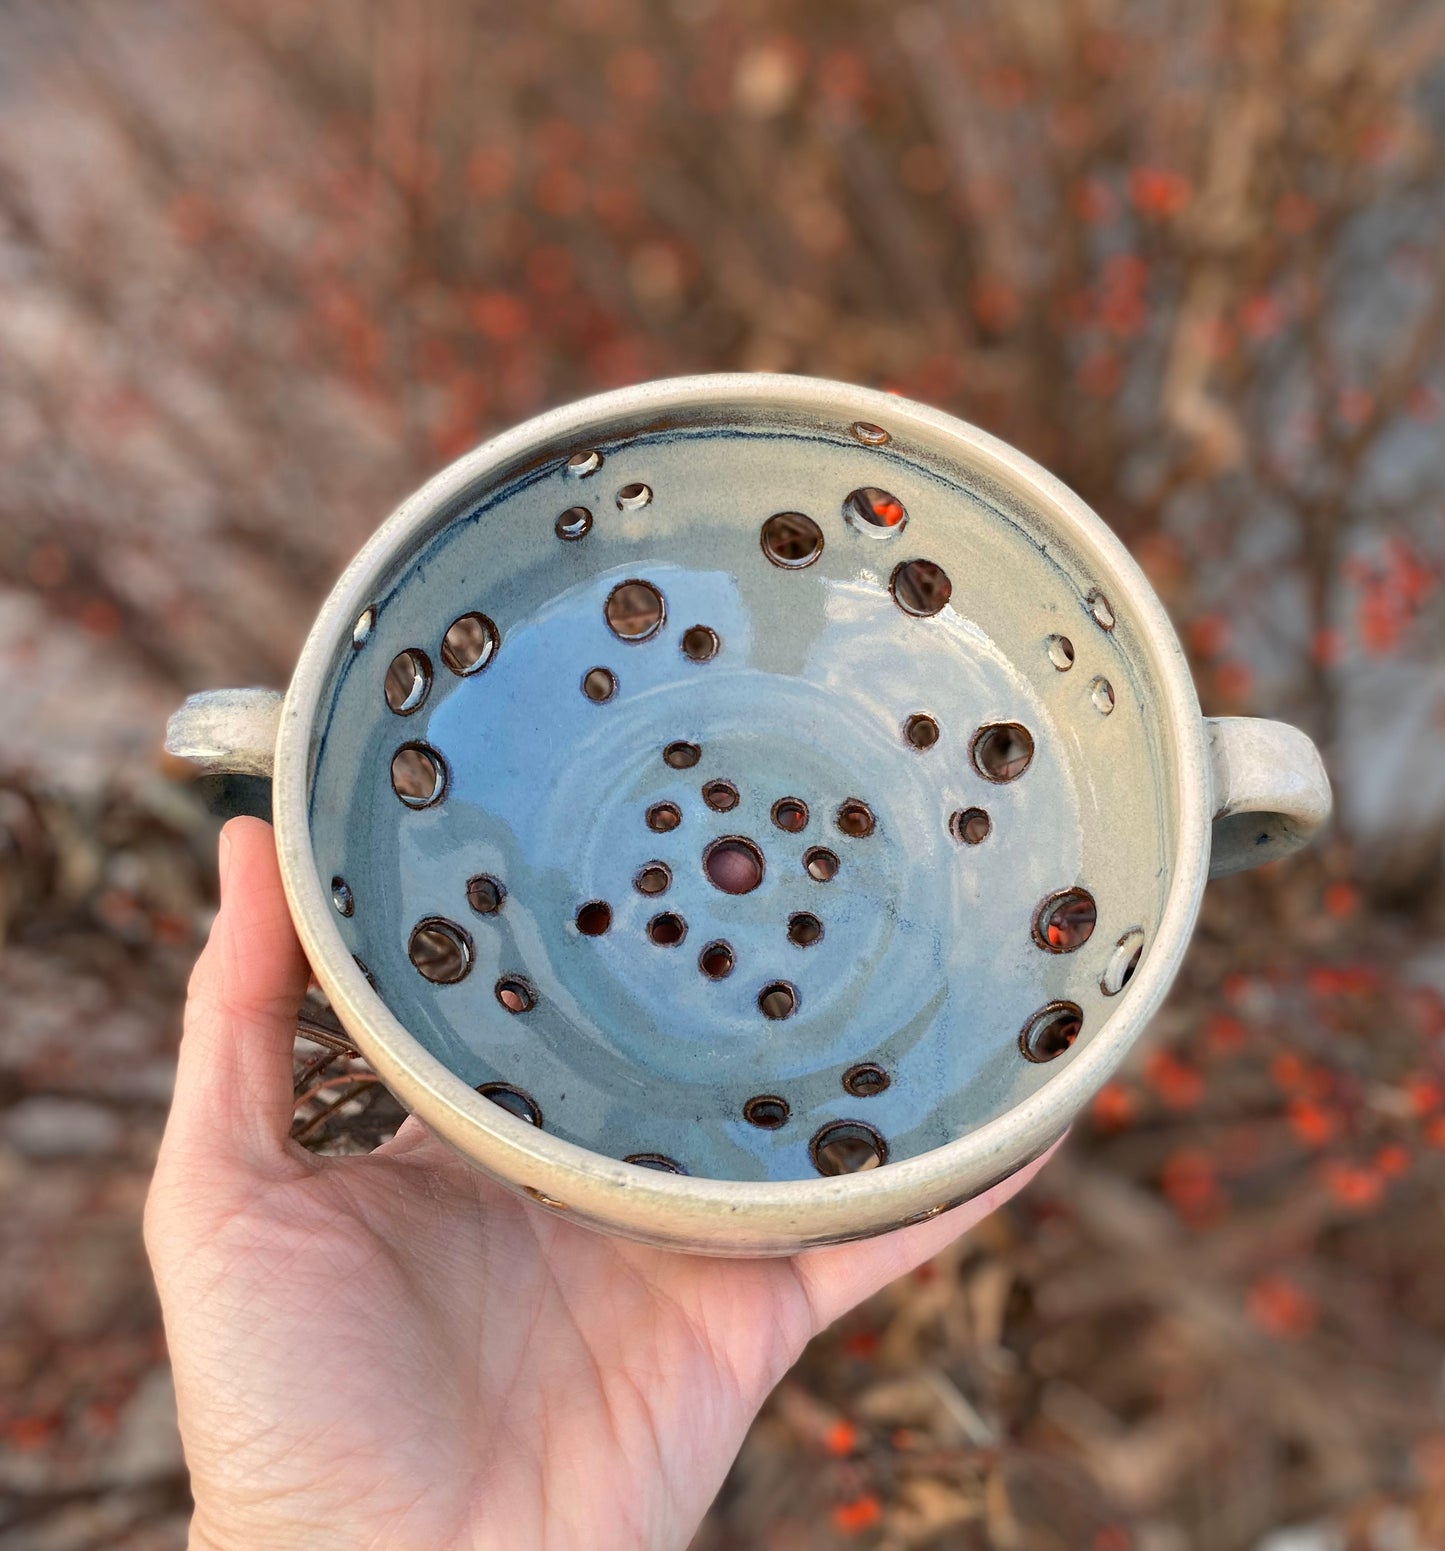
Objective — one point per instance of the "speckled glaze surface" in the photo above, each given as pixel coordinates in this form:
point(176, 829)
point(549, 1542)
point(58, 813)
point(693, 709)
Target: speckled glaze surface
point(698, 839)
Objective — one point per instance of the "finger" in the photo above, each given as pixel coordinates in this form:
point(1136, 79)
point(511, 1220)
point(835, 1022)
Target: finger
point(233, 1099)
point(837, 1278)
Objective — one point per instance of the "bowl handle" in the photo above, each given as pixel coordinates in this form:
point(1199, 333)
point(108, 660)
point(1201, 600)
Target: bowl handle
point(229, 735)
point(1271, 792)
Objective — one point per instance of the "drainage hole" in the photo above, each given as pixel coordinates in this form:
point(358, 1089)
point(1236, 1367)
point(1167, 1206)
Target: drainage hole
point(1122, 963)
point(655, 1160)
point(1065, 921)
point(513, 1100)
point(341, 896)
point(469, 644)
point(855, 818)
point(874, 511)
point(716, 961)
point(408, 677)
point(870, 435)
point(594, 918)
point(865, 1079)
point(1002, 751)
point(1101, 692)
point(653, 878)
point(778, 1000)
point(790, 814)
point(820, 864)
point(804, 929)
point(847, 1147)
point(418, 775)
point(1061, 652)
point(515, 994)
point(1101, 609)
point(1051, 1030)
point(574, 523)
point(485, 894)
point(681, 756)
point(920, 587)
point(664, 817)
point(365, 624)
point(599, 684)
point(970, 826)
point(733, 864)
point(440, 950)
point(699, 643)
point(766, 1110)
point(721, 796)
point(667, 930)
point(581, 464)
point(632, 498)
point(634, 611)
point(792, 540)
point(921, 731)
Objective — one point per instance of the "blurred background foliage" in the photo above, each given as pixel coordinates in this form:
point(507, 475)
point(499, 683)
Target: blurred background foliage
point(266, 264)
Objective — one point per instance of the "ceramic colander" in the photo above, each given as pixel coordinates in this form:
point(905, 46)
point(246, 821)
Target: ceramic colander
point(746, 812)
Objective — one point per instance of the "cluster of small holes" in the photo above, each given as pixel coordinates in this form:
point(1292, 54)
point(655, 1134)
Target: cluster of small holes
point(513, 1100)
point(408, 678)
point(970, 826)
point(792, 540)
point(636, 611)
point(1065, 921)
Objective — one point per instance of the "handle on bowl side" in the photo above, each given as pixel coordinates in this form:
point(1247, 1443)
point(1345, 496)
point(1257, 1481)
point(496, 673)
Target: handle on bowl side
point(1271, 793)
point(229, 735)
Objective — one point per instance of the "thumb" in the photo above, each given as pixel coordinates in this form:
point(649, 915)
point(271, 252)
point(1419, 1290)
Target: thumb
point(233, 1098)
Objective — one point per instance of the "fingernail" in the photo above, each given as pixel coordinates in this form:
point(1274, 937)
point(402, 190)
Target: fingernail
point(223, 859)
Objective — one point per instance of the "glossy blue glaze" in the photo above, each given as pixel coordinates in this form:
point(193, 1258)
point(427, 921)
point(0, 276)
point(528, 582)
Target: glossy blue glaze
point(927, 964)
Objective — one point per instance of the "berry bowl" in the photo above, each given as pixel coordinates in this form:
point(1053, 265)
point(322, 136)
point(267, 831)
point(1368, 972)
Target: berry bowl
point(748, 812)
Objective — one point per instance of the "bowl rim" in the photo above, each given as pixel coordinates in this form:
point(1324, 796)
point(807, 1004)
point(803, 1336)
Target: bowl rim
point(679, 1210)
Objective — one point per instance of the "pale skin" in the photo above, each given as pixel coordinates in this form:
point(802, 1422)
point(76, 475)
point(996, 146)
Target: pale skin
point(391, 1353)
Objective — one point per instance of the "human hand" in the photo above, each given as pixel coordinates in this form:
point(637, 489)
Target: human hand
point(507, 1379)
